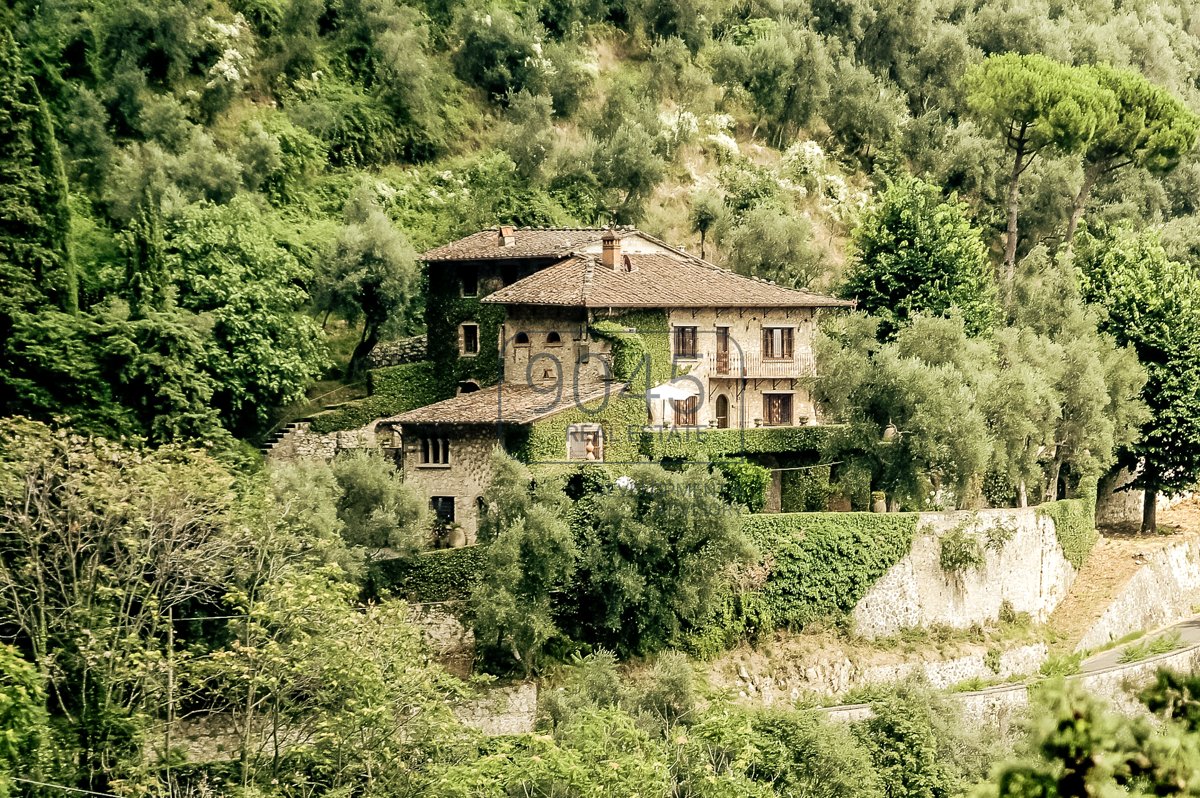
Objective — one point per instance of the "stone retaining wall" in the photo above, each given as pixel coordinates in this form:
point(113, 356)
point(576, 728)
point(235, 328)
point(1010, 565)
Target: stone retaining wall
point(301, 443)
point(1005, 704)
point(502, 710)
point(1166, 589)
point(839, 676)
point(449, 640)
point(1028, 572)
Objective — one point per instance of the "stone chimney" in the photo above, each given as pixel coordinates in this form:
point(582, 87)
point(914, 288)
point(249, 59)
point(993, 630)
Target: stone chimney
point(505, 237)
point(610, 254)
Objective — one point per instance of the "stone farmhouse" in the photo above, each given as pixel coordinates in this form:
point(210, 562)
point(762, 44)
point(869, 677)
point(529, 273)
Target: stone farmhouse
point(591, 345)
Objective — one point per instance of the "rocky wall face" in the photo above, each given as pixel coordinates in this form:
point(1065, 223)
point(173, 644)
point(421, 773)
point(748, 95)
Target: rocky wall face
point(465, 478)
point(834, 677)
point(1023, 566)
point(301, 443)
point(511, 709)
point(1164, 590)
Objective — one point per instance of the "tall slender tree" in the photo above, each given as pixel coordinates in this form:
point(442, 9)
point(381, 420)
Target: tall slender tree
point(36, 267)
point(1153, 305)
point(1036, 104)
point(1152, 129)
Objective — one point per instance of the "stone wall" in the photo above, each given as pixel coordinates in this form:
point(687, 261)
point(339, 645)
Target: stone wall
point(511, 709)
point(1028, 572)
point(465, 478)
point(301, 443)
point(393, 353)
point(1164, 590)
point(1115, 505)
point(449, 641)
point(837, 676)
point(1006, 704)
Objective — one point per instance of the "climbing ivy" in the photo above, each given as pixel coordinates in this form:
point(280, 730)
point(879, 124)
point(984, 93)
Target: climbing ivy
point(394, 389)
point(715, 443)
point(641, 356)
point(820, 565)
point(440, 575)
point(1074, 525)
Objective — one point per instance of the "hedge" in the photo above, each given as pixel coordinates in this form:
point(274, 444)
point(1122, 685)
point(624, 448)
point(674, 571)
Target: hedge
point(820, 565)
point(714, 443)
point(394, 389)
point(439, 575)
point(1074, 525)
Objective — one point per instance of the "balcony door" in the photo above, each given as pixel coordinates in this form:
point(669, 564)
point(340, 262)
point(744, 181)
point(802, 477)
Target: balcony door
point(723, 350)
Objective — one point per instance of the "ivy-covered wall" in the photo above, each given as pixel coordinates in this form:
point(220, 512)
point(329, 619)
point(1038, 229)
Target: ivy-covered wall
point(642, 356)
point(819, 565)
point(440, 575)
point(446, 308)
point(394, 389)
point(1075, 525)
point(714, 443)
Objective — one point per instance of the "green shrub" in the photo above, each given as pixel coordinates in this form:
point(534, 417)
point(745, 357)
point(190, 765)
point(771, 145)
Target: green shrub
point(1150, 648)
point(441, 575)
point(822, 564)
point(745, 483)
point(960, 552)
point(394, 389)
point(805, 490)
point(1074, 525)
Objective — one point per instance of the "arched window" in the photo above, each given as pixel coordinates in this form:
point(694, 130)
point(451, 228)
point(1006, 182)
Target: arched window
point(522, 339)
point(722, 411)
point(553, 338)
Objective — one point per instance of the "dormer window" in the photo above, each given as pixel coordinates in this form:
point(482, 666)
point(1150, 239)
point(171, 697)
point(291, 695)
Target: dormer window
point(553, 339)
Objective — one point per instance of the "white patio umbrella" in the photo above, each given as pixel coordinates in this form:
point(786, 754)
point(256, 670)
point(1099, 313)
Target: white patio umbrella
point(674, 391)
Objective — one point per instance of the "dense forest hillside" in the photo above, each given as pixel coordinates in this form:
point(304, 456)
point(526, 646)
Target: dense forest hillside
point(211, 211)
point(208, 192)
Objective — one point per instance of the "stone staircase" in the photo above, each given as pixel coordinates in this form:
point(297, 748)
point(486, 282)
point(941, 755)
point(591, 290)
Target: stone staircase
point(278, 435)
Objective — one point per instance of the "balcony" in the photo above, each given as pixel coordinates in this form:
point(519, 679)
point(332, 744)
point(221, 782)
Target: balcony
point(751, 366)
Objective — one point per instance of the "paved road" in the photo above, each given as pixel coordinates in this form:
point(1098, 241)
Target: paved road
point(1189, 635)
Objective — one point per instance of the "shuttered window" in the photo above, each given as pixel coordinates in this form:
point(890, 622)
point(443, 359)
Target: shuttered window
point(685, 342)
point(777, 343)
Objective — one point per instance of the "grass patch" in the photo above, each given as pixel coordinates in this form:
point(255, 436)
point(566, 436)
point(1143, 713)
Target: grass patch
point(1061, 665)
point(1150, 648)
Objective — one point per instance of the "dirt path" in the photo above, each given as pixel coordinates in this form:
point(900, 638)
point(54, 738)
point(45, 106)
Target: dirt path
point(1113, 561)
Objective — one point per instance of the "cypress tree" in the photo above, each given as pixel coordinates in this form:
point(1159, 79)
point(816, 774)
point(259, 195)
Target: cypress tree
point(36, 268)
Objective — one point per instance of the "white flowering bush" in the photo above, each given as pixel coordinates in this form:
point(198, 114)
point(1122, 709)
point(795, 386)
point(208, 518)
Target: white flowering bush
point(235, 45)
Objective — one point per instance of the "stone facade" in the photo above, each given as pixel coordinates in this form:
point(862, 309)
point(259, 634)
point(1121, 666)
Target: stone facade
point(744, 375)
point(541, 346)
point(463, 479)
point(1028, 571)
point(1166, 589)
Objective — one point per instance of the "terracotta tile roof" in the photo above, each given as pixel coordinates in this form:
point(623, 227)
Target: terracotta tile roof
point(507, 403)
point(527, 242)
point(675, 280)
